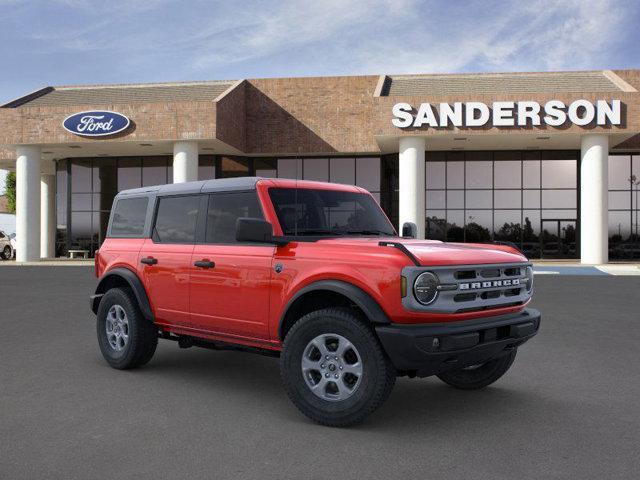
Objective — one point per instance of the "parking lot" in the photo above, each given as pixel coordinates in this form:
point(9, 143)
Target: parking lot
point(567, 409)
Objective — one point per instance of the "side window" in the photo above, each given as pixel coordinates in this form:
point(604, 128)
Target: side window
point(128, 217)
point(2, 235)
point(224, 210)
point(176, 219)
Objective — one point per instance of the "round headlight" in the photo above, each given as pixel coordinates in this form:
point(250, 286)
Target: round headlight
point(529, 274)
point(425, 288)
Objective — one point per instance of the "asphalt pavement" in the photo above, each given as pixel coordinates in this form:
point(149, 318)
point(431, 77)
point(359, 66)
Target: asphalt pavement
point(568, 409)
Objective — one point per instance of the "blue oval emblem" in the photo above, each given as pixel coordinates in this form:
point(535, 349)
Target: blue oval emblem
point(96, 124)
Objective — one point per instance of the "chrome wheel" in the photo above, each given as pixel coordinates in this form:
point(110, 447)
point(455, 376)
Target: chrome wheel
point(117, 328)
point(332, 367)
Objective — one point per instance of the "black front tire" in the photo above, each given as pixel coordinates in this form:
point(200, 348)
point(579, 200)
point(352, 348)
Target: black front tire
point(142, 334)
point(378, 374)
point(7, 253)
point(479, 376)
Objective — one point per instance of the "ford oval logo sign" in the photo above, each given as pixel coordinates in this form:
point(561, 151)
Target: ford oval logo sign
point(96, 124)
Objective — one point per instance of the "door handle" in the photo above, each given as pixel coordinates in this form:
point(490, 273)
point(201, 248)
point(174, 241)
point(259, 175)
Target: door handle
point(149, 261)
point(204, 264)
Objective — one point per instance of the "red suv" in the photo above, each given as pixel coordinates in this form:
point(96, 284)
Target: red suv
point(313, 273)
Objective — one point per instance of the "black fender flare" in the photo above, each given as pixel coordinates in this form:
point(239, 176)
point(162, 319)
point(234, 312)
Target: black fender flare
point(136, 287)
point(362, 299)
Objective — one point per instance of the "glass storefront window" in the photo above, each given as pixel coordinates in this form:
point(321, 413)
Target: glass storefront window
point(624, 207)
point(479, 199)
point(507, 174)
point(455, 174)
point(81, 175)
point(342, 170)
point(435, 173)
point(316, 169)
point(129, 173)
point(478, 174)
point(154, 171)
point(436, 199)
point(234, 167)
point(507, 199)
point(206, 168)
point(290, 168)
point(531, 174)
point(531, 198)
point(559, 174)
point(455, 198)
point(496, 196)
point(266, 167)
point(368, 173)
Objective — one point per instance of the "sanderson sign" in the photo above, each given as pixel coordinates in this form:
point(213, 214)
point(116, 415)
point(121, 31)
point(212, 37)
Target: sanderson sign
point(554, 113)
point(96, 123)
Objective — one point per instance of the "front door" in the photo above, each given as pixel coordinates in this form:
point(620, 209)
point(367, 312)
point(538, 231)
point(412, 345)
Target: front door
point(165, 259)
point(558, 238)
point(230, 281)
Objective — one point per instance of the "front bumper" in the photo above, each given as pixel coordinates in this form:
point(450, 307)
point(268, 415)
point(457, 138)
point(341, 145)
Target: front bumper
point(431, 349)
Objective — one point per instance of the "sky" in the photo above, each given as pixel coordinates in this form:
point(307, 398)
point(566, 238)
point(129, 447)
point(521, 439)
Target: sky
point(71, 42)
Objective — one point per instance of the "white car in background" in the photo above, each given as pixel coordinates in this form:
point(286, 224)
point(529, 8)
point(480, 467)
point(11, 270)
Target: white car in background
point(7, 245)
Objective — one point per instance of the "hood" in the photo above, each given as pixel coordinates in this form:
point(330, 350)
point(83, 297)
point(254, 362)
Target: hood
point(439, 253)
point(436, 253)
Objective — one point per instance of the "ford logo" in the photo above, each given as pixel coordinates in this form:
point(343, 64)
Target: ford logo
point(96, 124)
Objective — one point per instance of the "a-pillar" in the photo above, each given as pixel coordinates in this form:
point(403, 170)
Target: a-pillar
point(28, 203)
point(594, 211)
point(185, 161)
point(48, 210)
point(412, 183)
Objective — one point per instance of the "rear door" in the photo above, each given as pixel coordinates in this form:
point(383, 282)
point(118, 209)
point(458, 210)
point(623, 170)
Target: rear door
point(229, 280)
point(165, 258)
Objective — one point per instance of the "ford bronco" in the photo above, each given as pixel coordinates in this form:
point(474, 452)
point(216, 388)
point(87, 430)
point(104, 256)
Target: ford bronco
point(315, 274)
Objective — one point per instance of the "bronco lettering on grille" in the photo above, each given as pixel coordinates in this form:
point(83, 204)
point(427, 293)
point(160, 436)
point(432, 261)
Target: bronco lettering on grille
point(489, 284)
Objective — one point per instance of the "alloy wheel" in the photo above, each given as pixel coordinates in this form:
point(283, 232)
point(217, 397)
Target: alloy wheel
point(332, 367)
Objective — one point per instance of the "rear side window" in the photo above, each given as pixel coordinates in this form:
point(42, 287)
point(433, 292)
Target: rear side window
point(224, 210)
point(176, 219)
point(128, 217)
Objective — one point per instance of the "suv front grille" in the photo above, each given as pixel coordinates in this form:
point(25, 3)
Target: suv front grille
point(469, 288)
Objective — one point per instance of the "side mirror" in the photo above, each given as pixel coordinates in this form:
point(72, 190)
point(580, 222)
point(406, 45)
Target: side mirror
point(409, 230)
point(255, 230)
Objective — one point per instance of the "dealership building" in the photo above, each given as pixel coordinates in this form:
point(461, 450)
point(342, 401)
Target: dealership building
point(549, 162)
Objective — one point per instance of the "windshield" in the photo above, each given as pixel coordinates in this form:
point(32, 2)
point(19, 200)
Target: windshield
point(312, 212)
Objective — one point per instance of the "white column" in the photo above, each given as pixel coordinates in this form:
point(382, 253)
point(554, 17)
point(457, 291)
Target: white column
point(594, 210)
point(48, 211)
point(185, 161)
point(411, 182)
point(28, 203)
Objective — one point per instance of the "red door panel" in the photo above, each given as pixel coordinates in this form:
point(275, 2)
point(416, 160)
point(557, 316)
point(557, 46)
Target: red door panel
point(232, 298)
point(167, 281)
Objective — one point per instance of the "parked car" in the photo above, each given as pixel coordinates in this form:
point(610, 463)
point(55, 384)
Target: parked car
point(14, 243)
point(313, 273)
point(6, 246)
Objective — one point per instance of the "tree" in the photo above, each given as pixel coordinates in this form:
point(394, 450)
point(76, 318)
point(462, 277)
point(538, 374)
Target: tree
point(10, 185)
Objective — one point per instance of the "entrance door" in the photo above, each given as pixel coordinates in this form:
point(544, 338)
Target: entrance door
point(558, 238)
